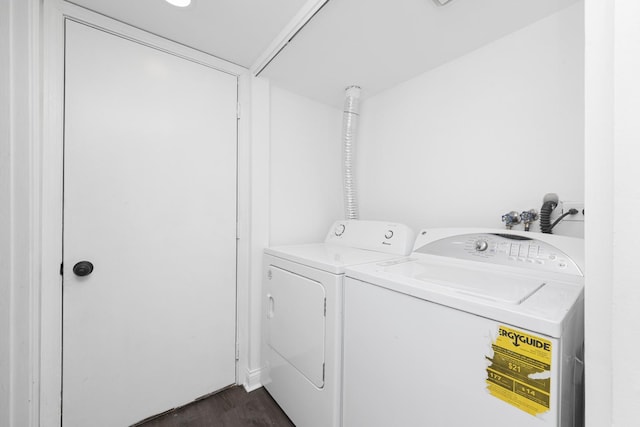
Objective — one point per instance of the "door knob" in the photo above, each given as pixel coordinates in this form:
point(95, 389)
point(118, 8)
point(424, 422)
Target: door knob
point(83, 268)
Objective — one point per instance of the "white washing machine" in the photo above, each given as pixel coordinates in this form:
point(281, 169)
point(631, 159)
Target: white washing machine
point(302, 294)
point(475, 328)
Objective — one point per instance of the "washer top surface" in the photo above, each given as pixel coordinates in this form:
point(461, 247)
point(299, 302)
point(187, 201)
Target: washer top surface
point(477, 272)
point(498, 286)
point(328, 257)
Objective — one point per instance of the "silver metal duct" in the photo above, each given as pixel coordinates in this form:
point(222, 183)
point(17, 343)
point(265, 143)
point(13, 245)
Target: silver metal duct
point(349, 128)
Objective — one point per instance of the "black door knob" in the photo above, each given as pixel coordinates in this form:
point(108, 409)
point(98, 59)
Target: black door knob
point(83, 268)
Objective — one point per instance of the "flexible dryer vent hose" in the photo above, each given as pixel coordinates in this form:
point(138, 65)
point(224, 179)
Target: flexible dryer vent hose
point(349, 128)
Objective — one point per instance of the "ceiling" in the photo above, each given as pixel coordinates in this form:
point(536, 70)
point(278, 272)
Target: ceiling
point(375, 44)
point(238, 31)
point(378, 44)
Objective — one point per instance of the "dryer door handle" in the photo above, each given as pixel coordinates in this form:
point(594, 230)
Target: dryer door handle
point(271, 305)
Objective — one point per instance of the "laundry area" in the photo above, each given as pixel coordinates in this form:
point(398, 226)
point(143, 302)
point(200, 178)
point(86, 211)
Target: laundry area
point(321, 213)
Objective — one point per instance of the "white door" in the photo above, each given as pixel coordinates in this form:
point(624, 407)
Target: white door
point(150, 201)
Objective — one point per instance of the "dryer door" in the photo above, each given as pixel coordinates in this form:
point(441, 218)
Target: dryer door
point(296, 321)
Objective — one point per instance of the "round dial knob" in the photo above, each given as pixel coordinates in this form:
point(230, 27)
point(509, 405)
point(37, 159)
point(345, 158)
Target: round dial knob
point(388, 234)
point(339, 229)
point(481, 245)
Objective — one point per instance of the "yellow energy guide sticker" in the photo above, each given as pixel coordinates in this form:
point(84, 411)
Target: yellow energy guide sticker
point(520, 370)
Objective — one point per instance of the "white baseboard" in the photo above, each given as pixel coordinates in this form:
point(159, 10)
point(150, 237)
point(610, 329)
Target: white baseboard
point(252, 380)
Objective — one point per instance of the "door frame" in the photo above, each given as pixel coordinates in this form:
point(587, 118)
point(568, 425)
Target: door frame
point(46, 320)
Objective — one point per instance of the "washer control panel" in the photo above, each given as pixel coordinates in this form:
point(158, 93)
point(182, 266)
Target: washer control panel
point(387, 237)
point(503, 249)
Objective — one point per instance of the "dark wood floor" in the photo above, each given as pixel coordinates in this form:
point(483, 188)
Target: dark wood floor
point(232, 407)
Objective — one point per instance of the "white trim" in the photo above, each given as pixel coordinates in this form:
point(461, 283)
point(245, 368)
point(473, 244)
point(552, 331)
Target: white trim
point(47, 188)
point(244, 223)
point(6, 229)
point(252, 380)
point(121, 29)
point(21, 110)
point(600, 200)
point(303, 16)
point(51, 218)
point(35, 214)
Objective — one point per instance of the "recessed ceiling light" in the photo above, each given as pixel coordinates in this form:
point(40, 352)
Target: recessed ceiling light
point(438, 2)
point(179, 3)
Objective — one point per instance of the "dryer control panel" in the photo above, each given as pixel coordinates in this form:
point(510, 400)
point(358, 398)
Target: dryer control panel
point(380, 236)
point(504, 249)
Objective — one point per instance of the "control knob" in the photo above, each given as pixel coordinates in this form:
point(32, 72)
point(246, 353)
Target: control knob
point(481, 245)
point(339, 230)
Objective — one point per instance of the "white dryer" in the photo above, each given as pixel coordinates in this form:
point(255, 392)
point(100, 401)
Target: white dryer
point(302, 292)
point(475, 328)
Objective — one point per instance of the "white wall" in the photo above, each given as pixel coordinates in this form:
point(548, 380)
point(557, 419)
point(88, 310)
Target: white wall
point(487, 133)
point(306, 168)
point(626, 232)
point(613, 132)
point(612, 153)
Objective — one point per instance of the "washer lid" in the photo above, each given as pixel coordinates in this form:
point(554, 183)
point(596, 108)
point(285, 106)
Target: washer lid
point(328, 257)
point(539, 302)
point(491, 285)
